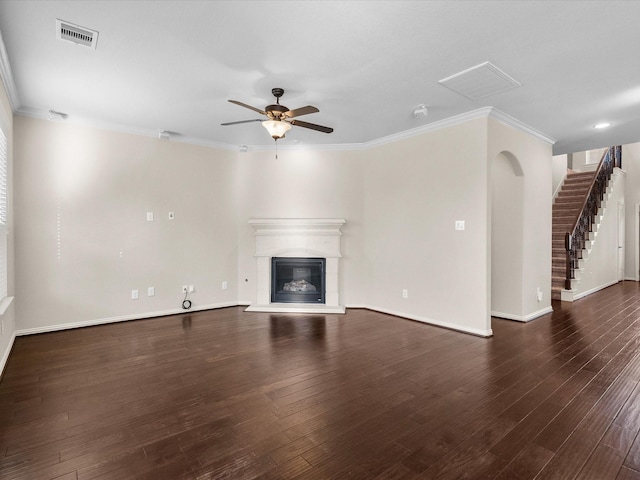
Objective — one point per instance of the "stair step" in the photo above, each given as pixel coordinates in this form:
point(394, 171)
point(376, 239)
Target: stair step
point(570, 204)
point(563, 219)
point(578, 180)
point(579, 175)
point(567, 206)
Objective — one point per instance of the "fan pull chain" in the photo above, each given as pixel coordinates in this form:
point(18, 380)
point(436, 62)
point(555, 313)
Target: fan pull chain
point(276, 149)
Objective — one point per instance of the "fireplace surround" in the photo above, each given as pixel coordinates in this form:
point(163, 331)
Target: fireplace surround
point(301, 238)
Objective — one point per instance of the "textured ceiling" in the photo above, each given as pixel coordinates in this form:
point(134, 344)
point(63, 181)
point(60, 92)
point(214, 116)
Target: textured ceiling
point(173, 65)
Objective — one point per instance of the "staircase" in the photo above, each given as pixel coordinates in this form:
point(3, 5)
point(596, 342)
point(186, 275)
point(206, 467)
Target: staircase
point(566, 208)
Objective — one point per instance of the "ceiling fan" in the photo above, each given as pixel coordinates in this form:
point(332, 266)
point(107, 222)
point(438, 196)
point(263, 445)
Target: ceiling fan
point(280, 117)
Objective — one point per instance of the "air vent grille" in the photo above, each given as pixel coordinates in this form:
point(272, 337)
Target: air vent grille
point(75, 34)
point(480, 81)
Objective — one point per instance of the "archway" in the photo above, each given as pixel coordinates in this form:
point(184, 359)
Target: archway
point(507, 235)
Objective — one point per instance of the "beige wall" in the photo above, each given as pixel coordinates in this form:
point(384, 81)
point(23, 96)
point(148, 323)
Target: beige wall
point(8, 318)
point(507, 235)
point(416, 189)
point(534, 157)
point(82, 196)
point(303, 184)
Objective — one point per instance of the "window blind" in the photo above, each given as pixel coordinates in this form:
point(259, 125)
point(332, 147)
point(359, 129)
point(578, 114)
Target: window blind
point(3, 215)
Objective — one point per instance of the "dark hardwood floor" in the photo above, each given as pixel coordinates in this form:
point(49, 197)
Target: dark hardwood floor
point(233, 395)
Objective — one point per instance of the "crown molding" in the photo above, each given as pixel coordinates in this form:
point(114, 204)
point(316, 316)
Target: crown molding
point(7, 77)
point(518, 125)
point(414, 132)
point(485, 112)
point(121, 128)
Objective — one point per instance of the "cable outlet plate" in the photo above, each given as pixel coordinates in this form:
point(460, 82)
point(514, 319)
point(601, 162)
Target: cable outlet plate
point(184, 289)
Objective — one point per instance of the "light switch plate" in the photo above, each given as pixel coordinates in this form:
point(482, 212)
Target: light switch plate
point(459, 224)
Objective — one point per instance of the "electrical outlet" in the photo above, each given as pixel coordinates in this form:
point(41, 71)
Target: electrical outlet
point(134, 294)
point(405, 293)
point(225, 285)
point(151, 291)
point(184, 288)
point(149, 216)
point(192, 289)
point(539, 294)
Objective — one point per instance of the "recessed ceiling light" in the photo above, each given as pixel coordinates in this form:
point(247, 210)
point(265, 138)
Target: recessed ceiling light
point(602, 125)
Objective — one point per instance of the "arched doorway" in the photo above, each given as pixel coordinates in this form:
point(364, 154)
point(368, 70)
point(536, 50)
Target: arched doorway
point(507, 235)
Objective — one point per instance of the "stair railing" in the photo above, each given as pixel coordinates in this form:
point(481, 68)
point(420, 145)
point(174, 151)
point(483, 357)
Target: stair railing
point(575, 239)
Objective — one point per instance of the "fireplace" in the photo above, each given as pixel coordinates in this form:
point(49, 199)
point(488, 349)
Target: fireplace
point(298, 243)
point(297, 280)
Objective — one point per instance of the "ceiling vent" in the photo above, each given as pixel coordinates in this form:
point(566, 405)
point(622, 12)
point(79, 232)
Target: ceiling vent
point(480, 81)
point(76, 34)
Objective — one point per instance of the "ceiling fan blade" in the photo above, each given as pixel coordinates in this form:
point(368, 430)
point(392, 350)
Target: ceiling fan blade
point(301, 111)
point(242, 121)
point(312, 126)
point(262, 112)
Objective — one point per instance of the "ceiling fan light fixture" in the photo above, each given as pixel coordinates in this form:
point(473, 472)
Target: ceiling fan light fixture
point(276, 128)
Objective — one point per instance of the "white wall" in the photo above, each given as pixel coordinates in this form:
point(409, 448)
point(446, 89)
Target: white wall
point(631, 165)
point(559, 167)
point(8, 318)
point(415, 191)
point(303, 184)
point(586, 161)
point(82, 195)
point(600, 269)
point(534, 157)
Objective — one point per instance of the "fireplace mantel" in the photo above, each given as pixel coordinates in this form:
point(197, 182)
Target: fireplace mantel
point(297, 237)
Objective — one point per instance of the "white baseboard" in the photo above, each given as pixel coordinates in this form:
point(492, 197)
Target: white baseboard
point(124, 318)
point(142, 316)
point(580, 295)
point(438, 323)
point(5, 355)
point(523, 318)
